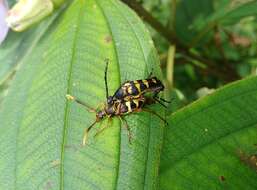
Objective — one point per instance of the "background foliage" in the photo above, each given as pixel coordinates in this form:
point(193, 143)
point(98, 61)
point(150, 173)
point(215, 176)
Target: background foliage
point(203, 48)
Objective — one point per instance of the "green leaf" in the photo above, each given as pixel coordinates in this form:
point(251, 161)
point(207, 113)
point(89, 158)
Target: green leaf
point(189, 14)
point(196, 21)
point(41, 132)
point(18, 46)
point(235, 15)
point(210, 143)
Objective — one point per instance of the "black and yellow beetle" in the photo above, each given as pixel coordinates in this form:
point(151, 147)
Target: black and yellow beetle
point(136, 88)
point(124, 101)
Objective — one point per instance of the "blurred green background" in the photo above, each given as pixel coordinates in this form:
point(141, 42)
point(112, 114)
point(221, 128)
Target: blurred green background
point(215, 41)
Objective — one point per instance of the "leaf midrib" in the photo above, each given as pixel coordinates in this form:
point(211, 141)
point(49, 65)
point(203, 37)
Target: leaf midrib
point(141, 48)
point(119, 77)
point(69, 84)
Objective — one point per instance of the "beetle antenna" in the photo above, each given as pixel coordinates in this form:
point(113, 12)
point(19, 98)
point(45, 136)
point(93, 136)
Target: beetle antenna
point(105, 78)
point(72, 98)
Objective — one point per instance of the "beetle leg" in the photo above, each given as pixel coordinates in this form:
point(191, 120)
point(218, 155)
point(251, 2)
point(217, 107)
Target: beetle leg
point(156, 99)
point(125, 123)
point(85, 136)
point(103, 128)
point(156, 114)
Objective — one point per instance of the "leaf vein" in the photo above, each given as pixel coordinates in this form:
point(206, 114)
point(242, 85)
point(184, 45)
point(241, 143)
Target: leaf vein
point(69, 85)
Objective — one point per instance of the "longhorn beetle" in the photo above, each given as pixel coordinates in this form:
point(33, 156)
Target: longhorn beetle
point(134, 89)
point(117, 108)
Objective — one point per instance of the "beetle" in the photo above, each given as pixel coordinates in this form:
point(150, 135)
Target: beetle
point(122, 105)
point(136, 88)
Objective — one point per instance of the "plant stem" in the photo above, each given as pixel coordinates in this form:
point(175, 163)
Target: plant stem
point(170, 65)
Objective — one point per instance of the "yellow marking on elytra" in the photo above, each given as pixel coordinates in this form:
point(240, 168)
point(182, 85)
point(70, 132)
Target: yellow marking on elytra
point(128, 106)
point(146, 83)
point(154, 80)
point(129, 89)
point(137, 85)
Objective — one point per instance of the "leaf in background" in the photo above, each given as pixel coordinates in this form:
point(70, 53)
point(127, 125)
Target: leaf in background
point(189, 14)
point(26, 13)
point(11, 2)
point(18, 46)
point(41, 132)
point(208, 144)
point(233, 16)
point(224, 15)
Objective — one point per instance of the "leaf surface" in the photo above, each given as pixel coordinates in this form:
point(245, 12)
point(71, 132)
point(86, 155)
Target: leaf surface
point(18, 46)
point(41, 132)
point(211, 144)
